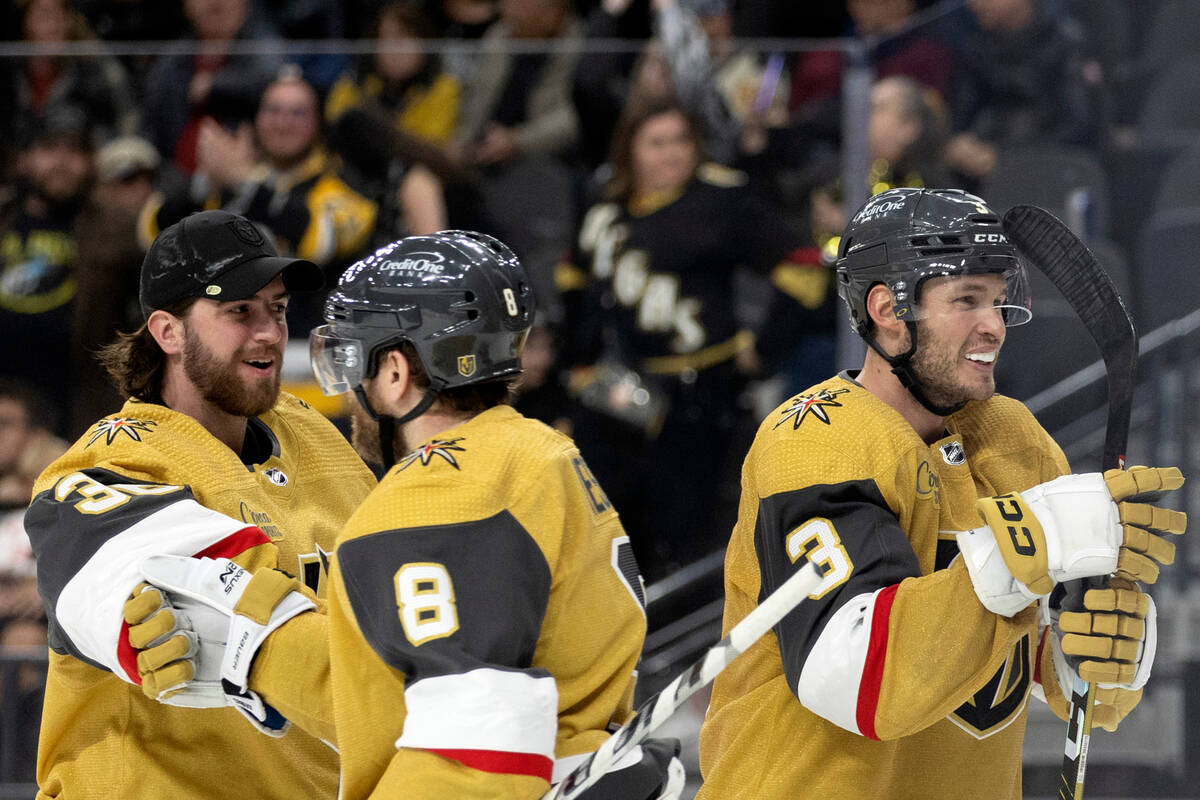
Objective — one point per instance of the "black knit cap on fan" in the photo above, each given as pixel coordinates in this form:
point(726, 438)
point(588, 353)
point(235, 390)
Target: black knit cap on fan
point(219, 256)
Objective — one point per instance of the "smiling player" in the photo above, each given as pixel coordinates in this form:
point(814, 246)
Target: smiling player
point(907, 674)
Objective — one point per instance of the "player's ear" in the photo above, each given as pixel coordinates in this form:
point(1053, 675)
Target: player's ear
point(167, 330)
point(395, 374)
point(880, 302)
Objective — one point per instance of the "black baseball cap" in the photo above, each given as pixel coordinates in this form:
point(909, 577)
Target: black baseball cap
point(219, 256)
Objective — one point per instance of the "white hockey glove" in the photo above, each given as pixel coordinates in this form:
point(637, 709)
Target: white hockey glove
point(198, 641)
point(650, 771)
point(1076, 526)
point(1110, 640)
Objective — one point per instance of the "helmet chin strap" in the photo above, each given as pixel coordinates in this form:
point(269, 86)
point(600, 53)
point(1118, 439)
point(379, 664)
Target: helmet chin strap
point(388, 423)
point(902, 369)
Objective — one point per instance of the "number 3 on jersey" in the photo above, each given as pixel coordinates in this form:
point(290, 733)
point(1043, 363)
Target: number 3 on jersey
point(817, 541)
point(425, 600)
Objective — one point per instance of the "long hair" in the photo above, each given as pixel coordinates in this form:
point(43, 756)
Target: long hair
point(135, 362)
point(621, 185)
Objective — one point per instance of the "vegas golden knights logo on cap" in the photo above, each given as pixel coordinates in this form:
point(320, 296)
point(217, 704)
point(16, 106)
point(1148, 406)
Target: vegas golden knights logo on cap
point(466, 366)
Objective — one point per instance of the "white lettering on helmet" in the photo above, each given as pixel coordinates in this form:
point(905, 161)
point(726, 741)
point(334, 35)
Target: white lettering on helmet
point(881, 208)
point(991, 238)
point(430, 263)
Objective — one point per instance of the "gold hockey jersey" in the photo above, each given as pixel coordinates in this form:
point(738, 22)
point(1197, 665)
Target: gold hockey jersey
point(486, 617)
point(892, 680)
point(151, 480)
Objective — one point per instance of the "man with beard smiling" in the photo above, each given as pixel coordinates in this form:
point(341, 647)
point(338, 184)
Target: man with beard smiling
point(207, 461)
point(943, 517)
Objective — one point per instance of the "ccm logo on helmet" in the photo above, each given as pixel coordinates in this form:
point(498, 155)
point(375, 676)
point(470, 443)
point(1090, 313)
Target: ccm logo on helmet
point(991, 238)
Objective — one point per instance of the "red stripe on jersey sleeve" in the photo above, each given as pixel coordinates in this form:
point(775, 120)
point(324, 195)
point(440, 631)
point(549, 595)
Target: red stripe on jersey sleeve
point(235, 543)
point(872, 677)
point(127, 656)
point(502, 762)
point(232, 545)
point(1037, 660)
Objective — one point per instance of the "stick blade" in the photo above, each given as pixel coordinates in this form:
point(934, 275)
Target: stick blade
point(1057, 252)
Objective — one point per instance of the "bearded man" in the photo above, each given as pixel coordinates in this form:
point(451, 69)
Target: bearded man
point(239, 486)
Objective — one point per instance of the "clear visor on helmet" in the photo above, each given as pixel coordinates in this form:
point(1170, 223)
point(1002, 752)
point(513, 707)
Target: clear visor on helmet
point(338, 360)
point(949, 289)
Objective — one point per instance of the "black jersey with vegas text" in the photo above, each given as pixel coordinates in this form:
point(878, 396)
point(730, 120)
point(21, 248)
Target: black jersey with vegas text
point(659, 273)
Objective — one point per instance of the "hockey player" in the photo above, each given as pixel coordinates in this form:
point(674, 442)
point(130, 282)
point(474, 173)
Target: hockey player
point(207, 458)
point(907, 674)
point(486, 611)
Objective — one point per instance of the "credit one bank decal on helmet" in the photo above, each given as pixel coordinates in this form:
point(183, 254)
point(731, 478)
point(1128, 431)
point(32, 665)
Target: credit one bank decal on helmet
point(461, 298)
point(903, 237)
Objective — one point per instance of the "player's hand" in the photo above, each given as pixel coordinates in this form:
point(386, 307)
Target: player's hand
point(1111, 639)
point(1076, 526)
point(217, 602)
point(1108, 637)
point(1134, 490)
point(651, 771)
point(165, 643)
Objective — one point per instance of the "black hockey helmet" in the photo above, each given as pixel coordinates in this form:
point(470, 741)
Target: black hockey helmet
point(905, 236)
point(461, 298)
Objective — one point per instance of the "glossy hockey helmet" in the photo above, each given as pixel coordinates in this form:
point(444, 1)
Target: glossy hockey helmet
point(902, 238)
point(461, 298)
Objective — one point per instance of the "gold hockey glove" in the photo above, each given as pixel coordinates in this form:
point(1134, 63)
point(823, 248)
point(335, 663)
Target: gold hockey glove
point(164, 646)
point(1134, 491)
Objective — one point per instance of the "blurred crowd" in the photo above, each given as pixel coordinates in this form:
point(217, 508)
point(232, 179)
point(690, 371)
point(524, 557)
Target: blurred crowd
point(676, 202)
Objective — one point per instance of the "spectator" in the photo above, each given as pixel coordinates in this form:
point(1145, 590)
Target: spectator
point(307, 20)
point(656, 350)
point(407, 178)
point(411, 86)
point(714, 82)
point(202, 80)
point(34, 86)
point(1019, 80)
point(895, 50)
point(42, 266)
point(277, 173)
point(520, 101)
point(604, 79)
point(906, 141)
point(468, 20)
point(519, 127)
point(126, 172)
point(26, 447)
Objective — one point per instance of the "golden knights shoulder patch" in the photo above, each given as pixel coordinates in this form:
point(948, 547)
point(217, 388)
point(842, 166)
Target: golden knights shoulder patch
point(445, 448)
point(110, 429)
point(815, 405)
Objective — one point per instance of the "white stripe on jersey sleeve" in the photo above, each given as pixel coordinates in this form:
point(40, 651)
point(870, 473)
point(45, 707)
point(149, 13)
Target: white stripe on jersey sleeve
point(484, 709)
point(832, 674)
point(90, 608)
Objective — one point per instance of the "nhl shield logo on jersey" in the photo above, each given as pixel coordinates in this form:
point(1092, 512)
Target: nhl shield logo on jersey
point(110, 429)
point(466, 366)
point(815, 405)
point(953, 454)
point(444, 448)
point(276, 476)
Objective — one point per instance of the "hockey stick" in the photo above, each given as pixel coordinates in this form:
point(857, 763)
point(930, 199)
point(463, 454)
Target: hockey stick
point(655, 710)
point(1056, 251)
